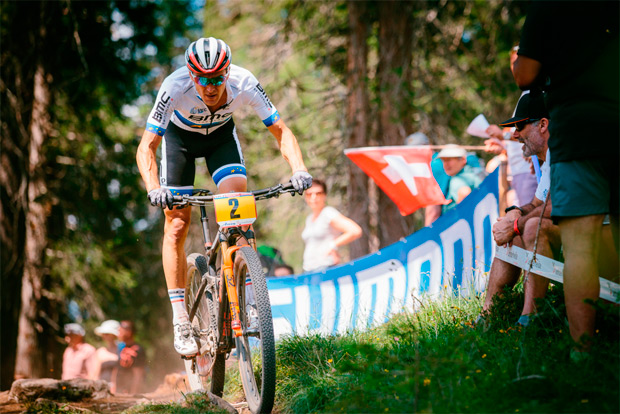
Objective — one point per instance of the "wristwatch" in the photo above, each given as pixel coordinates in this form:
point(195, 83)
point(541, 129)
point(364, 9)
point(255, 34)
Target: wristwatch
point(514, 208)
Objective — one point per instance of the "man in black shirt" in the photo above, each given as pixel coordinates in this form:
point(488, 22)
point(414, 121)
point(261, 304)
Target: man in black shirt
point(570, 50)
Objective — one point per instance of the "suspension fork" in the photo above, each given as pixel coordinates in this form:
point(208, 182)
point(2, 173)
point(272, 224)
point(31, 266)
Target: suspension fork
point(231, 286)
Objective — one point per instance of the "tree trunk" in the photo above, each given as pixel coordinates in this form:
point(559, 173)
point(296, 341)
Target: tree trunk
point(16, 89)
point(395, 100)
point(358, 110)
point(37, 346)
point(31, 360)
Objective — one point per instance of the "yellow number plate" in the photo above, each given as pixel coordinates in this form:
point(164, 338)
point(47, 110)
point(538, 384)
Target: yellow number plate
point(234, 209)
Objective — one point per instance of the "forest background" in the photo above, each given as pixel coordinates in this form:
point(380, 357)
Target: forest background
point(79, 240)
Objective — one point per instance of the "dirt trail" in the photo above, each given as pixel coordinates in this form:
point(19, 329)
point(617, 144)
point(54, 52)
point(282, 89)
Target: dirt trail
point(171, 390)
point(111, 405)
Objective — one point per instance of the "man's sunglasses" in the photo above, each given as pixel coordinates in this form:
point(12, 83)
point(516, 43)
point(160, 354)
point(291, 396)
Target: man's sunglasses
point(215, 81)
point(520, 125)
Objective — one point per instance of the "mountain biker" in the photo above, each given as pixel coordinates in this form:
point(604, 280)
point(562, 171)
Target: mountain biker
point(193, 113)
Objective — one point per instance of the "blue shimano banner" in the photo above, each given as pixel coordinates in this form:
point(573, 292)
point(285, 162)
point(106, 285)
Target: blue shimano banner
point(452, 253)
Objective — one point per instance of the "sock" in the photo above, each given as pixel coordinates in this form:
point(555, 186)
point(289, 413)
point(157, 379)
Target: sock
point(177, 300)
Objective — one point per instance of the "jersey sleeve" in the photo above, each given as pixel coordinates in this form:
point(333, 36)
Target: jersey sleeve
point(159, 117)
point(259, 101)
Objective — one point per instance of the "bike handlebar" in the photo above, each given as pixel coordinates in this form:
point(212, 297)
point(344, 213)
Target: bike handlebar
point(265, 193)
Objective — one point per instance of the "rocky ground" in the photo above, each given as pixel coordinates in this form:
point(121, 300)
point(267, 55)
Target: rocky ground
point(103, 402)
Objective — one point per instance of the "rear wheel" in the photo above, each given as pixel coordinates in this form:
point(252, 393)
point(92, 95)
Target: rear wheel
point(256, 349)
point(204, 322)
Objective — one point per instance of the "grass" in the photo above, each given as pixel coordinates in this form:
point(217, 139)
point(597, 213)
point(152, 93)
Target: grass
point(438, 360)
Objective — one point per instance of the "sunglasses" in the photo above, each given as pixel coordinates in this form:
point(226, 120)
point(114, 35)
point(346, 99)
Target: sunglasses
point(520, 125)
point(216, 81)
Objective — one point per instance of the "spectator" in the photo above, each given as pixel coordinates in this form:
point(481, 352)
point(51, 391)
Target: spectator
point(432, 213)
point(326, 230)
point(131, 361)
point(522, 180)
point(283, 270)
point(270, 257)
point(463, 178)
point(571, 50)
point(520, 224)
point(107, 356)
point(78, 360)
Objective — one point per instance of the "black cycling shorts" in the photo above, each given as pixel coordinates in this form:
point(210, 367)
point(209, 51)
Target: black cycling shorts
point(181, 148)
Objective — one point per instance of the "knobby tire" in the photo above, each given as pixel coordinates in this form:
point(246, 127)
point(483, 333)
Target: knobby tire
point(204, 323)
point(259, 382)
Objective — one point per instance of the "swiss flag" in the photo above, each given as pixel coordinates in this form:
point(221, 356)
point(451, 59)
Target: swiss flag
point(403, 173)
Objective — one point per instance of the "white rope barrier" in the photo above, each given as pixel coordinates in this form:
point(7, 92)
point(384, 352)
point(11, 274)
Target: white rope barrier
point(549, 268)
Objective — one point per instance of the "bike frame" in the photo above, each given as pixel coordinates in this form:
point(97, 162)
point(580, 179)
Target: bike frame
point(226, 242)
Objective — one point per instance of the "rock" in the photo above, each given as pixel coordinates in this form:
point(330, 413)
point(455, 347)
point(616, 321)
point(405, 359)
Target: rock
point(58, 390)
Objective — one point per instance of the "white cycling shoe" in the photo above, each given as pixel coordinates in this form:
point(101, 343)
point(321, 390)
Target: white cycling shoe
point(184, 342)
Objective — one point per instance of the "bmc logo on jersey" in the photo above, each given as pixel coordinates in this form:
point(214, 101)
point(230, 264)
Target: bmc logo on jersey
point(264, 96)
point(161, 107)
point(209, 119)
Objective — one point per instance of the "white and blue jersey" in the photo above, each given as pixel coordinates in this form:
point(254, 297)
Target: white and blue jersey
point(178, 102)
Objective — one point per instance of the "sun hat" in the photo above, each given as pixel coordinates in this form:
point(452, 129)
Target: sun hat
point(417, 138)
point(530, 107)
point(452, 151)
point(108, 327)
point(75, 329)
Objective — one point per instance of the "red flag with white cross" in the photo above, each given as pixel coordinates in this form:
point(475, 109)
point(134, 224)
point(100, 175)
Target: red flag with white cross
point(403, 173)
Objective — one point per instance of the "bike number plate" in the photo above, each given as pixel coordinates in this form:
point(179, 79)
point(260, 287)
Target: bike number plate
point(234, 209)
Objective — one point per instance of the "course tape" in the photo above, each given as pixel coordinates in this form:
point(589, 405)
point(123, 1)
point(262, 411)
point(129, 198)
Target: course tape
point(551, 269)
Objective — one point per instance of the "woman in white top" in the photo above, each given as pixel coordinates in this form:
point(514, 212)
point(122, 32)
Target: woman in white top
point(326, 230)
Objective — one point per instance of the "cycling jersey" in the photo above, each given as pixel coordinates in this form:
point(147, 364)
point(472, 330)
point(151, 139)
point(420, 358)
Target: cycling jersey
point(178, 102)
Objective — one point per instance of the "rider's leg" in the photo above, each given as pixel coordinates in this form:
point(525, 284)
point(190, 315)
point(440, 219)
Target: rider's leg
point(173, 253)
point(233, 185)
point(175, 268)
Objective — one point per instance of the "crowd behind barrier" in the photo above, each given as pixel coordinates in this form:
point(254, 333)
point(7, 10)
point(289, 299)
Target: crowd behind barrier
point(453, 254)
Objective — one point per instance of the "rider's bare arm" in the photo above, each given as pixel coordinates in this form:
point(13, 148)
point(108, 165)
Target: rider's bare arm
point(147, 159)
point(288, 145)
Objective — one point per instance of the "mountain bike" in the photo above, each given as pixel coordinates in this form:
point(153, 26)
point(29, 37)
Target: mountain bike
point(227, 299)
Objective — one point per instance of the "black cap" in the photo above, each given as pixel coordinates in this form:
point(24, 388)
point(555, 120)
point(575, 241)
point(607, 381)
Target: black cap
point(529, 107)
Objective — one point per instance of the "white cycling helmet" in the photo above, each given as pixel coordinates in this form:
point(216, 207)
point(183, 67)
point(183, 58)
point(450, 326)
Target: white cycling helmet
point(207, 55)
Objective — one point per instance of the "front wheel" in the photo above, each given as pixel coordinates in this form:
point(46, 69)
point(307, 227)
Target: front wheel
point(200, 289)
point(256, 348)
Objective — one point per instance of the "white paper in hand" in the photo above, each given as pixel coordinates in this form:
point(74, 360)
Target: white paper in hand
point(478, 127)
